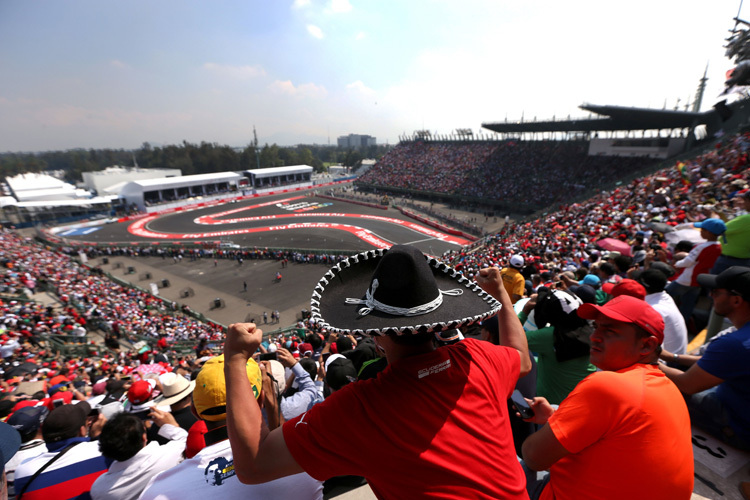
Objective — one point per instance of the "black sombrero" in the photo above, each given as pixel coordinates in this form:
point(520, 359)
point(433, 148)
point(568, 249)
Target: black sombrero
point(397, 291)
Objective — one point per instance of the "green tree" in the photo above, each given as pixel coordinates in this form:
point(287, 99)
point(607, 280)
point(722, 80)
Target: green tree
point(352, 158)
point(269, 156)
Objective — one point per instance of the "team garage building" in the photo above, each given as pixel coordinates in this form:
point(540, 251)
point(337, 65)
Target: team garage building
point(149, 195)
point(33, 198)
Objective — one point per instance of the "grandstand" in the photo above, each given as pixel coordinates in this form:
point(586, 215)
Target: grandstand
point(524, 166)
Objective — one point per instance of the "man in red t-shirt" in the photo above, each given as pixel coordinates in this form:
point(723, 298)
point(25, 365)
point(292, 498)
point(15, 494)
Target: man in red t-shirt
point(623, 432)
point(434, 423)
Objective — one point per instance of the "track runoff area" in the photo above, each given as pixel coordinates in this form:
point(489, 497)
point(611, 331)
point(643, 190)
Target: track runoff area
point(285, 221)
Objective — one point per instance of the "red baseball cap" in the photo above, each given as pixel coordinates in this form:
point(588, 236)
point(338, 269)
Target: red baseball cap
point(66, 398)
point(140, 392)
point(625, 287)
point(304, 348)
point(628, 309)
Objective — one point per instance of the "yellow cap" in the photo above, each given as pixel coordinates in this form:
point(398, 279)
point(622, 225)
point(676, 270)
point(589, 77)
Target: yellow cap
point(210, 393)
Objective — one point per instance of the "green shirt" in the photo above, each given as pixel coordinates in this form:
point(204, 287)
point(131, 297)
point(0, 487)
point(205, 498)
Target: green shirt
point(554, 379)
point(736, 240)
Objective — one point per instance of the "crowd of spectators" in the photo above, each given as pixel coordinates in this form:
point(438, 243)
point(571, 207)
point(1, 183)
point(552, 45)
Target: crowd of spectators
point(209, 252)
point(430, 166)
point(562, 250)
point(520, 173)
point(710, 184)
point(91, 300)
point(542, 173)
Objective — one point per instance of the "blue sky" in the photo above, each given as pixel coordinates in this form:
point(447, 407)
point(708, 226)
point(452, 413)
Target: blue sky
point(96, 73)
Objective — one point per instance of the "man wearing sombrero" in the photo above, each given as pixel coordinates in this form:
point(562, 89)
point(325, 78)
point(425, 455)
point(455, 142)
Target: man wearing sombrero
point(434, 423)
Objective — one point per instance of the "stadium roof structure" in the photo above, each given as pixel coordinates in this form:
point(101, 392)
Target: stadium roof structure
point(34, 182)
point(260, 173)
point(186, 180)
point(43, 187)
point(612, 118)
point(67, 203)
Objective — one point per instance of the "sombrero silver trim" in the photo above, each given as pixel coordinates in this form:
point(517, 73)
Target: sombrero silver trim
point(438, 267)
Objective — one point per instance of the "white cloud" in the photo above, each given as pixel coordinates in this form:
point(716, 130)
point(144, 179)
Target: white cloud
point(116, 63)
point(360, 35)
point(315, 31)
point(302, 90)
point(299, 4)
point(340, 6)
point(235, 72)
point(360, 88)
point(285, 87)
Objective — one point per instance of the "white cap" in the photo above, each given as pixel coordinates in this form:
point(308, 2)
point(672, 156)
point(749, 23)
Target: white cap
point(516, 261)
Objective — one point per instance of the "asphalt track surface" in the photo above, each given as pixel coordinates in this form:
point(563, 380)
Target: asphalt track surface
point(290, 220)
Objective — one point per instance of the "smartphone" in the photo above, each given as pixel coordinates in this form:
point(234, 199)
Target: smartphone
point(268, 356)
point(521, 405)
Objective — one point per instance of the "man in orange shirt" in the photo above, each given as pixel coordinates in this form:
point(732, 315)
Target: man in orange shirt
point(623, 432)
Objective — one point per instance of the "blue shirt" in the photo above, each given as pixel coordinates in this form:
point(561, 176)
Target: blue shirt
point(302, 400)
point(728, 358)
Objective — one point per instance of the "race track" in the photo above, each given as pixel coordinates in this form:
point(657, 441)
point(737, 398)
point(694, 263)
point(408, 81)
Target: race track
point(291, 220)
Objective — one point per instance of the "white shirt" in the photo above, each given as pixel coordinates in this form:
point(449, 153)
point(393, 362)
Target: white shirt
point(7, 349)
point(689, 262)
point(675, 331)
point(209, 475)
point(33, 448)
point(126, 480)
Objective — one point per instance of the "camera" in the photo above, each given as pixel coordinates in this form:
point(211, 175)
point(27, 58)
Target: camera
point(268, 356)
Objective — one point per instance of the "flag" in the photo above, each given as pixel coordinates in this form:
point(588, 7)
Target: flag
point(683, 173)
